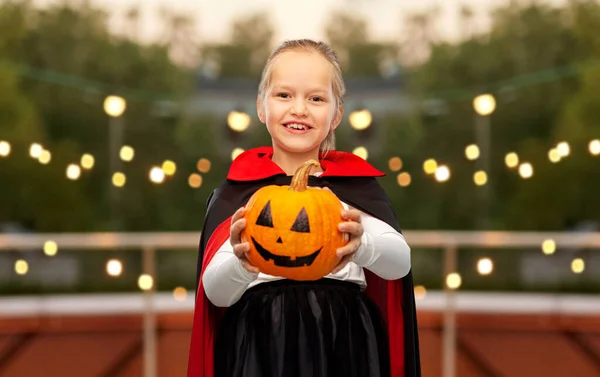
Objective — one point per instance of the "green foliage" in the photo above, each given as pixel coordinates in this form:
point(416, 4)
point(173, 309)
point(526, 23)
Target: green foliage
point(529, 119)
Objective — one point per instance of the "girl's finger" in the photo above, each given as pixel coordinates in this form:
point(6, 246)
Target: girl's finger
point(241, 248)
point(351, 214)
point(238, 214)
point(354, 229)
point(350, 248)
point(236, 230)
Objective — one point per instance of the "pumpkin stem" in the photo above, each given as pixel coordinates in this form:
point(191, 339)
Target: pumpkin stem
point(300, 178)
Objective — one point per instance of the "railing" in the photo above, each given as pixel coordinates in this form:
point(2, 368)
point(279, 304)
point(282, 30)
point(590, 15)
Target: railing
point(148, 243)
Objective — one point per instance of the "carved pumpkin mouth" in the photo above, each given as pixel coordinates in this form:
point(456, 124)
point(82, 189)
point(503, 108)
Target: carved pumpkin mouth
point(285, 261)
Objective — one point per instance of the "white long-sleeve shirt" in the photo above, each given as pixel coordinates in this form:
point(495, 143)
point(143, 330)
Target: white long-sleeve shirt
point(383, 251)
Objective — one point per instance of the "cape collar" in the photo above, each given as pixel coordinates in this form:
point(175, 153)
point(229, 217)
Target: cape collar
point(255, 164)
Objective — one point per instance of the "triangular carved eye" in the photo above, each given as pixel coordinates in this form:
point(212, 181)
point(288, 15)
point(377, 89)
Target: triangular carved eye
point(301, 223)
point(265, 218)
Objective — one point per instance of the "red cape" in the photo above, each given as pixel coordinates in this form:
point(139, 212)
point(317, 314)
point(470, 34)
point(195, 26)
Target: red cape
point(255, 165)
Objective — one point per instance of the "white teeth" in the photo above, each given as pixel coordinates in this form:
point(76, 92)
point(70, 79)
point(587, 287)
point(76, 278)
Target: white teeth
point(296, 126)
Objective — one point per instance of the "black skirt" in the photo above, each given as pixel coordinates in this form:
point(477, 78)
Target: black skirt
point(302, 329)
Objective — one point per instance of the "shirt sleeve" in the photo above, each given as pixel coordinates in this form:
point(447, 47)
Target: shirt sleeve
point(225, 279)
point(383, 249)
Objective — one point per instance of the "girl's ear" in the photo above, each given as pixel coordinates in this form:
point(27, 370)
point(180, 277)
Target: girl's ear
point(260, 110)
point(337, 119)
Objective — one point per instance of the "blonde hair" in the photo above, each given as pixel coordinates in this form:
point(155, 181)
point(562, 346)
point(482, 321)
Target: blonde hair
point(338, 86)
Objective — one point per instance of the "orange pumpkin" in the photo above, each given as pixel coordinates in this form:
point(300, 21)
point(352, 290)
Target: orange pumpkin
point(293, 230)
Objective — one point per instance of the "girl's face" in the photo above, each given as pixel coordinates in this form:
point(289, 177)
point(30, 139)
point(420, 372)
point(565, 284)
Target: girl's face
point(299, 107)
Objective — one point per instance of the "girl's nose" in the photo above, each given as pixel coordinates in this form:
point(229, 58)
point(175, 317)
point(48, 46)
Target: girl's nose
point(299, 108)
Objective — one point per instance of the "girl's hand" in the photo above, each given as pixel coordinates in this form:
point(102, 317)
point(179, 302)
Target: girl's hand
point(238, 224)
point(353, 229)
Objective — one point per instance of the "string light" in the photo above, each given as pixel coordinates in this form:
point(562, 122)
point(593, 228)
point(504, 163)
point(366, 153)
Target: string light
point(361, 152)
point(119, 179)
point(169, 167)
point(485, 266)
point(395, 163)
point(127, 153)
point(420, 292)
point(511, 160)
point(73, 172)
point(526, 170)
point(35, 150)
point(480, 178)
point(360, 119)
point(554, 155)
point(442, 173)
point(87, 161)
point(472, 152)
point(548, 247)
point(45, 157)
point(484, 104)
point(50, 248)
point(563, 148)
point(21, 267)
point(430, 166)
point(203, 165)
point(404, 179)
point(236, 152)
point(593, 147)
point(238, 121)
point(577, 265)
point(145, 282)
point(115, 106)
point(157, 175)
point(114, 267)
point(195, 180)
point(180, 294)
point(4, 148)
point(453, 280)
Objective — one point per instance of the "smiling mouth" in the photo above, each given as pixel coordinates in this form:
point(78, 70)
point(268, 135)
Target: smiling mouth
point(285, 261)
point(296, 126)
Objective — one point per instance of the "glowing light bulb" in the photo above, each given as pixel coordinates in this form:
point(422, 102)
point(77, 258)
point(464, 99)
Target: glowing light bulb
point(472, 152)
point(442, 173)
point(453, 280)
point(430, 166)
point(548, 247)
point(50, 248)
point(395, 163)
point(145, 282)
point(157, 175)
point(404, 179)
point(73, 172)
point(511, 160)
point(114, 267)
point(480, 178)
point(485, 266)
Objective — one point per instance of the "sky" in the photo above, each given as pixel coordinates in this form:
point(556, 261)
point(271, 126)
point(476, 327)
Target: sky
point(298, 18)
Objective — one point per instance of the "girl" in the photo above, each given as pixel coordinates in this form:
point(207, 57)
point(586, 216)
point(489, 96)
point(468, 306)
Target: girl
point(357, 321)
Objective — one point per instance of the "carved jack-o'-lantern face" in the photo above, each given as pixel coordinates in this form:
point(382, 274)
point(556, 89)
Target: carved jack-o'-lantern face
point(300, 225)
point(292, 230)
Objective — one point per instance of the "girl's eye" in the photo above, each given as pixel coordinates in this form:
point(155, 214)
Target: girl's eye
point(317, 99)
point(283, 95)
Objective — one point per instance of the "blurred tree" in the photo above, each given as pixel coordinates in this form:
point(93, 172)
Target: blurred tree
point(359, 56)
point(29, 193)
point(522, 40)
point(75, 39)
point(246, 51)
point(563, 194)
